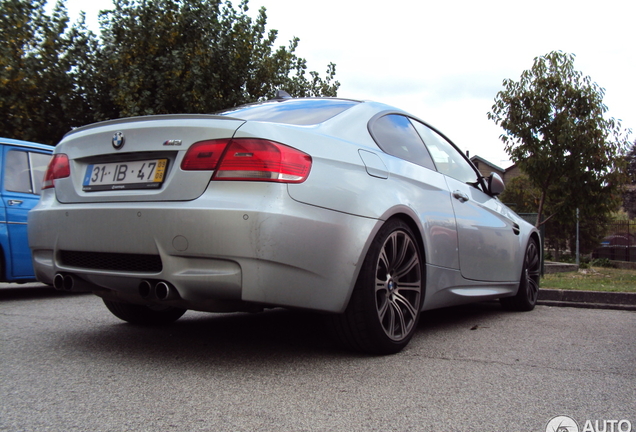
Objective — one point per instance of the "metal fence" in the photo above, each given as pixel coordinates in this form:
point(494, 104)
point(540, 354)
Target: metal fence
point(619, 243)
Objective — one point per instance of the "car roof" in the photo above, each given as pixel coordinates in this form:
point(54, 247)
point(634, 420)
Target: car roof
point(29, 144)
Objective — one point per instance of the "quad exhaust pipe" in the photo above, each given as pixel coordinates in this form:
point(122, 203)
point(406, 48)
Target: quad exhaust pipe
point(148, 289)
point(68, 282)
point(153, 290)
point(62, 283)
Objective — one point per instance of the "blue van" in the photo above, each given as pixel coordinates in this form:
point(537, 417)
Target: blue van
point(22, 168)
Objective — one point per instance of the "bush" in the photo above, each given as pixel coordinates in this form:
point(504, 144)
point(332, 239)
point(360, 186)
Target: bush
point(602, 262)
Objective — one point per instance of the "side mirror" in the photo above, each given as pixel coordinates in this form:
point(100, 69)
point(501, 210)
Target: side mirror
point(495, 184)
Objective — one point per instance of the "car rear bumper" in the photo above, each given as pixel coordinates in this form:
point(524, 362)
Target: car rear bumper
point(244, 242)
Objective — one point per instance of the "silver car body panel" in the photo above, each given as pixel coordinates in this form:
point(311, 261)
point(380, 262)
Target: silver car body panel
point(144, 138)
point(490, 248)
point(293, 245)
point(258, 246)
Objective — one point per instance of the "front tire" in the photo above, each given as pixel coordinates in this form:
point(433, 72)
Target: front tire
point(144, 315)
point(385, 305)
point(528, 293)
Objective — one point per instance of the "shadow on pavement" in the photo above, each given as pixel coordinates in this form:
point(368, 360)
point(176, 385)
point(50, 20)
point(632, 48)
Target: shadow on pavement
point(226, 339)
point(30, 291)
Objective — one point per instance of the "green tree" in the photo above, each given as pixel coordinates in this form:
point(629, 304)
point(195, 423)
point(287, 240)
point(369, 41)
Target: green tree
point(629, 197)
point(560, 231)
point(521, 195)
point(152, 57)
point(556, 131)
point(42, 63)
point(196, 56)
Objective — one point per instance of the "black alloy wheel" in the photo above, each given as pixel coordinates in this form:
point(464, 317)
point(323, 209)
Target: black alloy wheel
point(384, 309)
point(528, 293)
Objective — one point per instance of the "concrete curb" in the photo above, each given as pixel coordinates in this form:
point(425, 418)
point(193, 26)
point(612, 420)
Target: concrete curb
point(587, 299)
point(558, 267)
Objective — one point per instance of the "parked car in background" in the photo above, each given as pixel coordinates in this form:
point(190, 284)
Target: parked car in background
point(23, 165)
point(352, 208)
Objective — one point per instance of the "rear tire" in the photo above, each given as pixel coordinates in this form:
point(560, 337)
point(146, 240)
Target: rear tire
point(385, 305)
point(528, 293)
point(144, 315)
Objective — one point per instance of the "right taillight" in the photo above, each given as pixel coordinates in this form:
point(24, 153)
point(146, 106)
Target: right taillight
point(59, 167)
point(249, 159)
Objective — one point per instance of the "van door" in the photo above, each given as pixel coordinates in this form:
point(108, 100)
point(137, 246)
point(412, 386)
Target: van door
point(23, 173)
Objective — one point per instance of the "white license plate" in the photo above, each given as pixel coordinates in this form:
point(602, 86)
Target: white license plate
point(147, 174)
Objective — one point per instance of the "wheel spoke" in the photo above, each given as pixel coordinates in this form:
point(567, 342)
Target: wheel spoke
point(383, 261)
point(399, 325)
point(400, 250)
point(532, 258)
point(392, 247)
point(405, 269)
point(411, 286)
point(380, 285)
point(382, 309)
point(533, 290)
point(389, 322)
point(400, 299)
point(534, 261)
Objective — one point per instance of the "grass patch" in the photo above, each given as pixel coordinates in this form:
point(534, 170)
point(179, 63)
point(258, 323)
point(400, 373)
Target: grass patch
point(592, 279)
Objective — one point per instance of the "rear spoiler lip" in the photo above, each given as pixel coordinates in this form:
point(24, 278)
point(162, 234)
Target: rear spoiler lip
point(158, 117)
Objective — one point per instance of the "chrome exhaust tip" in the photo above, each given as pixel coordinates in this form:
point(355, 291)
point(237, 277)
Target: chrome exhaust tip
point(69, 283)
point(145, 289)
point(165, 291)
point(58, 282)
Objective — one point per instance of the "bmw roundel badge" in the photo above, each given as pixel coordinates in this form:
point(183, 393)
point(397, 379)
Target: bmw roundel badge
point(118, 140)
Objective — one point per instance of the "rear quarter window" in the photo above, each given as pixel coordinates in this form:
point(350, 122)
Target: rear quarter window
point(396, 135)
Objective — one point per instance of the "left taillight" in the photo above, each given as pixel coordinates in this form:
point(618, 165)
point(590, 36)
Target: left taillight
point(59, 167)
point(249, 159)
point(204, 155)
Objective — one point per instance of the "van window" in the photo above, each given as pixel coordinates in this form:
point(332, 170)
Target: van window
point(16, 172)
point(24, 171)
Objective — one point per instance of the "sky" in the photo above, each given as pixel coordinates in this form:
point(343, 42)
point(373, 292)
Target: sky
point(444, 61)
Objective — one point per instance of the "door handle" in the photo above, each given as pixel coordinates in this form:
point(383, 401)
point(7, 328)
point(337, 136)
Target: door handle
point(462, 197)
point(14, 202)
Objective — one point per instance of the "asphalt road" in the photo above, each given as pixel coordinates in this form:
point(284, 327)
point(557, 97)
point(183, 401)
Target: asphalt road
point(66, 364)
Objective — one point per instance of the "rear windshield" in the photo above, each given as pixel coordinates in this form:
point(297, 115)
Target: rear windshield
point(292, 111)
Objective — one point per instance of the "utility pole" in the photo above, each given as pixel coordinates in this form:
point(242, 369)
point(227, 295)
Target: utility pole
point(577, 237)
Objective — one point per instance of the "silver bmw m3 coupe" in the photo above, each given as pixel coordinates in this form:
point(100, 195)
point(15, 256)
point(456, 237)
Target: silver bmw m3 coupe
point(351, 208)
